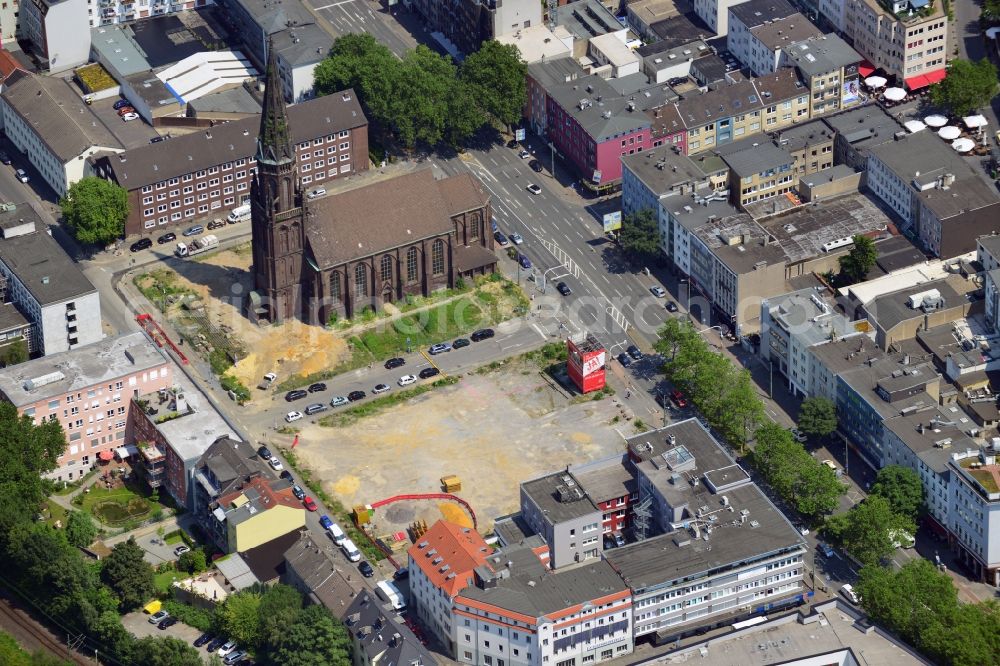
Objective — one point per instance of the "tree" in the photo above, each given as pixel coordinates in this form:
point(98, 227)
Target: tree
point(817, 417)
point(902, 488)
point(95, 210)
point(80, 529)
point(14, 352)
point(968, 86)
point(128, 575)
point(794, 474)
point(817, 489)
point(27, 451)
point(495, 75)
point(866, 530)
point(317, 639)
point(192, 561)
point(239, 617)
point(165, 651)
point(856, 263)
point(640, 235)
point(280, 608)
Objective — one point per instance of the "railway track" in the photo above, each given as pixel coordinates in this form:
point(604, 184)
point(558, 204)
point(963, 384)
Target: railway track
point(17, 623)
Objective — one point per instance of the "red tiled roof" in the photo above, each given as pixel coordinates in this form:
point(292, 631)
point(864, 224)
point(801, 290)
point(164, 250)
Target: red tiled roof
point(455, 549)
point(7, 64)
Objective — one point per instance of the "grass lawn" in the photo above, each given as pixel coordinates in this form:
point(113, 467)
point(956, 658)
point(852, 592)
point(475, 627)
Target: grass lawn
point(162, 581)
point(117, 506)
point(54, 512)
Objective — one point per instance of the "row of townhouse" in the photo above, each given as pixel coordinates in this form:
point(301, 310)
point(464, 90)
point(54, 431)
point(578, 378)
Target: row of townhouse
point(561, 586)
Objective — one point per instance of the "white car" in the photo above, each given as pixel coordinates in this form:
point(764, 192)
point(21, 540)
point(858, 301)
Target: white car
point(130, 116)
point(21, 175)
point(275, 464)
point(516, 239)
point(318, 192)
point(534, 189)
point(406, 380)
point(658, 291)
point(852, 596)
point(270, 376)
point(292, 416)
point(524, 154)
point(226, 648)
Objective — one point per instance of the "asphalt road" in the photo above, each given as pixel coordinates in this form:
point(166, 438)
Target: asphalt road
point(342, 17)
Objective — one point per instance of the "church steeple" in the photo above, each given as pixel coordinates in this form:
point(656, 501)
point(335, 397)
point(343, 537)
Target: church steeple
point(274, 143)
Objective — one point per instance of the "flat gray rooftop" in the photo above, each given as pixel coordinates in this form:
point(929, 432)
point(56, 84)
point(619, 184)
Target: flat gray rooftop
point(661, 169)
point(191, 434)
point(889, 310)
point(822, 54)
point(753, 156)
point(114, 45)
point(800, 314)
point(803, 232)
point(46, 271)
point(841, 355)
point(925, 435)
point(11, 318)
point(865, 127)
point(606, 479)
point(804, 134)
point(97, 363)
point(545, 492)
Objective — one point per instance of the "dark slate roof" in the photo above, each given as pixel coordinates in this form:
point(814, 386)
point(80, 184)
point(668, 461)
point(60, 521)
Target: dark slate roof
point(758, 12)
point(44, 268)
point(681, 29)
point(381, 636)
point(605, 111)
point(274, 138)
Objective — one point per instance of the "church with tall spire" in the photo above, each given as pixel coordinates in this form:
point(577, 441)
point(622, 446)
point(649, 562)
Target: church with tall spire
point(318, 258)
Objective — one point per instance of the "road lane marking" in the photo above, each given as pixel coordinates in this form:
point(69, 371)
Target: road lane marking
point(333, 4)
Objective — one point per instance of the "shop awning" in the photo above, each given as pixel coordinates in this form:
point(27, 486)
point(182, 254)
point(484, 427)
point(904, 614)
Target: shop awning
point(126, 451)
point(924, 80)
point(866, 69)
point(105, 455)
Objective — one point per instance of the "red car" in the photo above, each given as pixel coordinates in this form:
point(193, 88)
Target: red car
point(679, 399)
point(310, 503)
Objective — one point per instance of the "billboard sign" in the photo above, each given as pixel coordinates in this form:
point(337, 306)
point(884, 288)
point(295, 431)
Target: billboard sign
point(850, 92)
point(593, 363)
point(519, 134)
point(612, 221)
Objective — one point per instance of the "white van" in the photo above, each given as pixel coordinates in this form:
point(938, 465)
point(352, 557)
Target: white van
point(337, 534)
point(350, 550)
point(239, 214)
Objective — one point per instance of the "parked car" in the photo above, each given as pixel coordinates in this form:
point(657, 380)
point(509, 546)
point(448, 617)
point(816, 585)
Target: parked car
point(406, 380)
point(671, 306)
point(125, 109)
point(318, 192)
point(624, 359)
point(158, 139)
point(524, 154)
point(512, 143)
point(286, 475)
point(848, 591)
point(677, 80)
point(679, 398)
point(439, 348)
point(825, 549)
point(381, 388)
point(130, 116)
point(291, 417)
point(833, 466)
point(524, 261)
point(325, 521)
point(798, 435)
point(354, 396)
point(366, 569)
point(316, 408)
point(121, 103)
point(803, 530)
point(264, 453)
point(141, 244)
point(158, 617)
point(460, 342)
point(657, 291)
point(564, 289)
point(204, 639)
point(234, 657)
point(226, 648)
point(482, 334)
point(634, 352)
point(534, 189)
point(401, 574)
point(339, 401)
point(516, 239)
point(4, 158)
point(193, 231)
point(535, 165)
point(317, 387)
point(21, 175)
point(216, 224)
point(297, 394)
point(166, 623)
point(180, 550)
point(298, 492)
point(310, 503)
point(394, 363)
point(427, 373)
point(500, 239)
point(215, 644)
point(275, 463)
point(166, 238)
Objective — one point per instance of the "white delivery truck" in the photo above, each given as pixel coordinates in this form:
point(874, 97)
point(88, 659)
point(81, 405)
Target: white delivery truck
point(239, 214)
point(204, 244)
point(388, 591)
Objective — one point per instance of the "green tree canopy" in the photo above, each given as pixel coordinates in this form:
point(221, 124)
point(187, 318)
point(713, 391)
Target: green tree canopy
point(280, 608)
point(128, 575)
point(95, 210)
point(192, 561)
point(14, 352)
point(239, 618)
point(817, 417)
point(902, 488)
point(11, 654)
point(640, 236)
point(80, 529)
point(866, 529)
point(495, 76)
point(317, 639)
point(794, 474)
point(856, 263)
point(27, 451)
point(164, 651)
point(968, 87)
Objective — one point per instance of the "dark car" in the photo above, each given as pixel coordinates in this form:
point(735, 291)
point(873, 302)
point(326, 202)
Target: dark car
point(679, 399)
point(316, 408)
point(671, 306)
point(524, 261)
point(677, 80)
point(564, 289)
point(535, 165)
point(317, 387)
point(166, 238)
point(157, 139)
point(167, 623)
point(194, 231)
point(429, 372)
point(264, 453)
point(297, 394)
point(500, 239)
point(4, 158)
point(482, 334)
point(354, 396)
point(461, 342)
point(393, 363)
point(512, 143)
point(634, 352)
point(298, 492)
point(121, 104)
point(141, 244)
point(401, 574)
point(286, 475)
point(215, 644)
point(624, 359)
point(216, 224)
point(203, 639)
point(366, 569)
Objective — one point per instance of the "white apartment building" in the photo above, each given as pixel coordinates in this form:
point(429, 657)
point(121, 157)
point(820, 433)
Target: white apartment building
point(914, 49)
point(715, 13)
point(834, 11)
point(759, 40)
point(45, 119)
point(56, 30)
point(109, 12)
point(975, 512)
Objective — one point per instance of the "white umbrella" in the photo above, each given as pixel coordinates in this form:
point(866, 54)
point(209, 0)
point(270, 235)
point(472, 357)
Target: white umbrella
point(875, 81)
point(914, 126)
point(963, 145)
point(972, 122)
point(895, 94)
point(936, 121)
point(949, 133)
point(992, 33)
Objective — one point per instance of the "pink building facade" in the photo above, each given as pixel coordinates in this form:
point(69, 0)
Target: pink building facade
point(89, 391)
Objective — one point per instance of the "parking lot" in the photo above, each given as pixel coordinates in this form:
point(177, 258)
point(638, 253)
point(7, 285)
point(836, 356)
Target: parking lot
point(132, 134)
point(138, 625)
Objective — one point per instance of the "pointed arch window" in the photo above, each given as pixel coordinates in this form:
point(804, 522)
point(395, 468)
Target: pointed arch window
point(335, 292)
point(360, 281)
point(411, 265)
point(437, 257)
point(385, 270)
